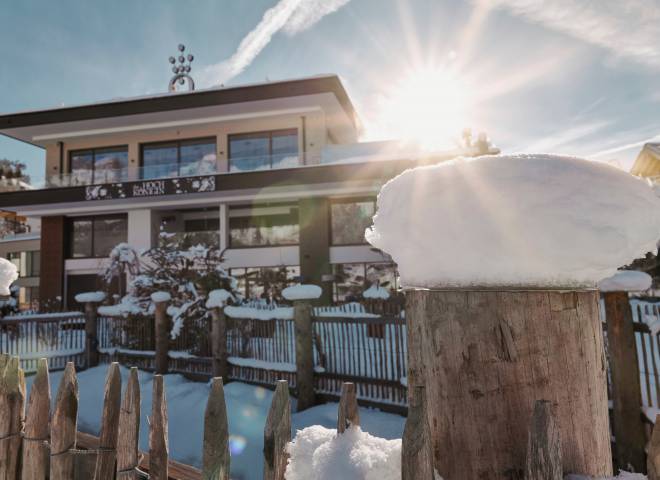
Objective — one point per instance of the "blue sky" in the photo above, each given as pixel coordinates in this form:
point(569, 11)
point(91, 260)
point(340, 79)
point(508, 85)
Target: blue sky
point(562, 76)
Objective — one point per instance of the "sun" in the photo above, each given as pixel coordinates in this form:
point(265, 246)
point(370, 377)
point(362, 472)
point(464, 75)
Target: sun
point(428, 106)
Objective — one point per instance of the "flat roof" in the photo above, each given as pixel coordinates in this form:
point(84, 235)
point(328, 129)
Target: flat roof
point(183, 100)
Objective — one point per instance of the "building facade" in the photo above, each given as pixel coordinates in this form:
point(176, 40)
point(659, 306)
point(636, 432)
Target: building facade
point(271, 172)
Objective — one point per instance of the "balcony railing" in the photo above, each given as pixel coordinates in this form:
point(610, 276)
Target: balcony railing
point(79, 178)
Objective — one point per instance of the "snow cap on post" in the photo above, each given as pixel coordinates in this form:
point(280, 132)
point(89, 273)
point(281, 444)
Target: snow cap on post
point(94, 297)
point(514, 220)
point(8, 273)
point(376, 292)
point(218, 298)
point(626, 281)
point(302, 292)
point(158, 297)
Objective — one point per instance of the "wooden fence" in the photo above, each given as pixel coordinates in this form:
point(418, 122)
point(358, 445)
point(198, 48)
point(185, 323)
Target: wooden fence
point(645, 314)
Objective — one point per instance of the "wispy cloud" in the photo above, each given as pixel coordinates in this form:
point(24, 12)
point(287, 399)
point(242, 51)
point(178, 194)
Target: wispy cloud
point(627, 28)
point(288, 16)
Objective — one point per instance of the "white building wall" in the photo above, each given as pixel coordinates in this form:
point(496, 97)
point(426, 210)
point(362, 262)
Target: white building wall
point(140, 229)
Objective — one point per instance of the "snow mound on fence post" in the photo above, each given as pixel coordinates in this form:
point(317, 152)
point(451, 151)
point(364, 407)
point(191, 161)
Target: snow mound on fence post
point(218, 298)
point(158, 297)
point(8, 274)
point(321, 454)
point(302, 292)
point(376, 292)
point(626, 281)
point(519, 220)
point(96, 297)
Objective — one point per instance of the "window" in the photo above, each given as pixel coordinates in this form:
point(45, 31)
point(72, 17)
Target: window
point(179, 159)
point(191, 226)
point(265, 282)
point(27, 263)
point(28, 298)
point(263, 226)
point(101, 165)
point(96, 236)
point(263, 151)
point(351, 279)
point(349, 219)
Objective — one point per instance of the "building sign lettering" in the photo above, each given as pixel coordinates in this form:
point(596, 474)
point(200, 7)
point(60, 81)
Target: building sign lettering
point(151, 188)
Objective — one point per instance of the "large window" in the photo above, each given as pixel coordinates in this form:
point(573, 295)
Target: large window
point(263, 226)
point(96, 236)
point(265, 282)
point(349, 219)
point(179, 159)
point(27, 263)
point(263, 150)
point(192, 226)
point(351, 279)
point(100, 165)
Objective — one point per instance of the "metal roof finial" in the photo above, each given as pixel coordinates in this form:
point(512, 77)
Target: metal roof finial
point(181, 70)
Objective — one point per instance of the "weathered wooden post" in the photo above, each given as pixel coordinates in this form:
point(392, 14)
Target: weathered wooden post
point(216, 303)
point(158, 432)
point(624, 368)
point(348, 412)
point(277, 433)
point(91, 301)
point(64, 426)
point(105, 459)
point(653, 459)
point(162, 328)
point(500, 271)
point(544, 458)
point(215, 457)
point(416, 450)
point(301, 295)
point(129, 430)
point(35, 453)
point(12, 414)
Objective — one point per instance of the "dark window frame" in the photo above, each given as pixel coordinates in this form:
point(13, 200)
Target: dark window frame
point(246, 293)
point(89, 218)
point(112, 148)
point(262, 134)
point(177, 144)
point(335, 201)
point(23, 266)
point(365, 266)
point(239, 247)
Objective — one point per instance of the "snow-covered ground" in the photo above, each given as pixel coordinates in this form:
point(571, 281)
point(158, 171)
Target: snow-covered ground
point(247, 408)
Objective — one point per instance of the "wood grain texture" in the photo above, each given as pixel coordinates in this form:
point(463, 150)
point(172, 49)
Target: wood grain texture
point(63, 426)
point(277, 433)
point(543, 445)
point(626, 392)
point(302, 316)
point(158, 437)
point(105, 459)
point(12, 415)
point(215, 455)
point(91, 342)
point(486, 356)
point(653, 458)
point(219, 343)
point(129, 428)
point(416, 450)
point(348, 413)
point(162, 334)
point(37, 426)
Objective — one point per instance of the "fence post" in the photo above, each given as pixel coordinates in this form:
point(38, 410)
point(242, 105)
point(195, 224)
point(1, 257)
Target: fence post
point(348, 412)
point(105, 460)
point(277, 433)
point(219, 343)
point(63, 426)
point(91, 340)
point(653, 458)
point(12, 406)
point(35, 453)
point(158, 438)
point(544, 461)
point(162, 337)
point(129, 429)
point(626, 393)
point(486, 355)
point(416, 451)
point(302, 315)
point(215, 457)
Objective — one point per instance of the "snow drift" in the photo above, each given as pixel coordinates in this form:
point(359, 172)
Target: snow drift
point(626, 281)
point(8, 273)
point(519, 220)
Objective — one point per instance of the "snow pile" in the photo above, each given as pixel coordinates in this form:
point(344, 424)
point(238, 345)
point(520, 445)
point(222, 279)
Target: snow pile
point(302, 292)
point(158, 297)
point(321, 454)
point(218, 298)
point(278, 313)
point(376, 292)
point(8, 273)
point(626, 281)
point(520, 220)
point(96, 297)
point(128, 305)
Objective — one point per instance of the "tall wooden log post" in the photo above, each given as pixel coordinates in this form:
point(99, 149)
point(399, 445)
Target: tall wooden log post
point(302, 315)
point(91, 339)
point(626, 393)
point(486, 356)
point(162, 338)
point(219, 343)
